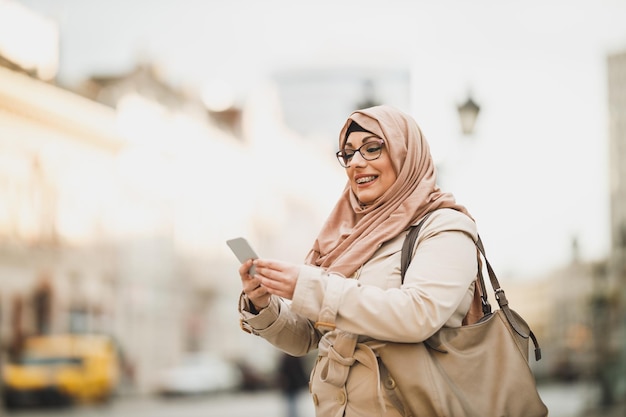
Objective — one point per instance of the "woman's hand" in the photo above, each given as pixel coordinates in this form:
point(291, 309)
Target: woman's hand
point(256, 293)
point(277, 277)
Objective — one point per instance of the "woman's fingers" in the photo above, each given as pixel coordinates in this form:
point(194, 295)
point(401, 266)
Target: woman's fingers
point(249, 282)
point(257, 292)
point(244, 268)
point(271, 277)
point(278, 277)
point(275, 269)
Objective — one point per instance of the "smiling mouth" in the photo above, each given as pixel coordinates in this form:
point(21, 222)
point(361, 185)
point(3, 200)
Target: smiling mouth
point(365, 180)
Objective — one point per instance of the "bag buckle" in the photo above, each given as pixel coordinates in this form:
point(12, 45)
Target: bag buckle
point(322, 325)
point(245, 326)
point(497, 293)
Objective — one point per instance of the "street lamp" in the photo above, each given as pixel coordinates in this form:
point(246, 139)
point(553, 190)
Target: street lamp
point(468, 113)
point(459, 159)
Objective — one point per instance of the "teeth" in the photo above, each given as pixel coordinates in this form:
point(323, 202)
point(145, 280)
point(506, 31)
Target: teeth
point(363, 180)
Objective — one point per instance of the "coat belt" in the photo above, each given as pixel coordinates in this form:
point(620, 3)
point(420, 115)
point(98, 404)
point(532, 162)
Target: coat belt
point(341, 356)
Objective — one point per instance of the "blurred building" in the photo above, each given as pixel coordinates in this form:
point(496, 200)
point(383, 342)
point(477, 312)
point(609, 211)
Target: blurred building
point(116, 199)
point(74, 235)
point(579, 311)
point(615, 291)
point(57, 156)
point(316, 101)
point(29, 42)
point(558, 307)
point(113, 218)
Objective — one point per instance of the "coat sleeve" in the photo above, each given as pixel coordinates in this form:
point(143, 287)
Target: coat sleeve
point(437, 290)
point(280, 326)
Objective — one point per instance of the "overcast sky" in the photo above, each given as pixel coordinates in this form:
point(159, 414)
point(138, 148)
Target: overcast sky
point(534, 174)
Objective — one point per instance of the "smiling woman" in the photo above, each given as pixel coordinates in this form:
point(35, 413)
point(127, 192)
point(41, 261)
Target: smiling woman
point(391, 186)
point(367, 164)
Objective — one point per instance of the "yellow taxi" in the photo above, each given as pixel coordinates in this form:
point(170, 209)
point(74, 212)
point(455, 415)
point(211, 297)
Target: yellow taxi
point(62, 369)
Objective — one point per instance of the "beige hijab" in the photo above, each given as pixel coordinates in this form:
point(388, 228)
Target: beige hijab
point(353, 232)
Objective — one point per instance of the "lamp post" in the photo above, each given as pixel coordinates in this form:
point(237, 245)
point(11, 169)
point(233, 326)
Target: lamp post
point(468, 113)
point(458, 160)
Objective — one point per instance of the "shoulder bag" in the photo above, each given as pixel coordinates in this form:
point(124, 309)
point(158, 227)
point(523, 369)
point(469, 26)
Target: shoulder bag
point(476, 370)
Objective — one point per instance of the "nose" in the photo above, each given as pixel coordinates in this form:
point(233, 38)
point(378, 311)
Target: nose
point(357, 159)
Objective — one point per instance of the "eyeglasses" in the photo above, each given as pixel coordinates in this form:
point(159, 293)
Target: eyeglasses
point(369, 151)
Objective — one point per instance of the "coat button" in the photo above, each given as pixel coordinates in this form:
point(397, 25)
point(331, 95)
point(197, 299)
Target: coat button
point(341, 397)
point(390, 383)
point(316, 401)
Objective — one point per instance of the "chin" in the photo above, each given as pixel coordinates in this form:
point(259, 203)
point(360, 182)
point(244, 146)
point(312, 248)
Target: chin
point(365, 199)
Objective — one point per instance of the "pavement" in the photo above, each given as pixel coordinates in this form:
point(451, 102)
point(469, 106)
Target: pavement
point(617, 410)
point(577, 400)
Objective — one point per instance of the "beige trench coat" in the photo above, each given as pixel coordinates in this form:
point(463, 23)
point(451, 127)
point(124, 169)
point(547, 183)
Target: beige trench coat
point(347, 319)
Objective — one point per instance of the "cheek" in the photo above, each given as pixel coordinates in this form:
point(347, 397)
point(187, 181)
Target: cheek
point(349, 177)
point(392, 180)
point(389, 180)
point(391, 172)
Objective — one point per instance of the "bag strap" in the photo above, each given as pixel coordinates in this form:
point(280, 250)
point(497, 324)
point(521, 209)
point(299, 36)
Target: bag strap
point(503, 302)
point(405, 260)
point(409, 243)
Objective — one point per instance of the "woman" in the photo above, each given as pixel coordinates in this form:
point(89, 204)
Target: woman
point(347, 299)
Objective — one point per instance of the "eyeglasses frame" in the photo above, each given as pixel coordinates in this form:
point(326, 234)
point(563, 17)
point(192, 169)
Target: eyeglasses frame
point(339, 156)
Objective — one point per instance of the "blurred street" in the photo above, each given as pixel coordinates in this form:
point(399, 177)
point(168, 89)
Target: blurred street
point(261, 404)
point(571, 400)
point(130, 154)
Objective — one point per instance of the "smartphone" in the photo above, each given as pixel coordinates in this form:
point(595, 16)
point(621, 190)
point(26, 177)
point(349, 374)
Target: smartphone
point(242, 250)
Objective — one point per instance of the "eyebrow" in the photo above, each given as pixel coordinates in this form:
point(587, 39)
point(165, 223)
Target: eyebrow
point(364, 141)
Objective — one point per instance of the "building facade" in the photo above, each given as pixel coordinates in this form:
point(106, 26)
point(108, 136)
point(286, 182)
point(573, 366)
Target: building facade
point(67, 258)
point(114, 216)
point(616, 285)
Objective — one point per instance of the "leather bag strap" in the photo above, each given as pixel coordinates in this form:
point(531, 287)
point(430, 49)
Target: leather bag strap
point(504, 303)
point(409, 243)
point(407, 255)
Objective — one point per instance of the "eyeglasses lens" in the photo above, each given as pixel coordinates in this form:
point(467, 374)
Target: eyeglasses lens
point(369, 151)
